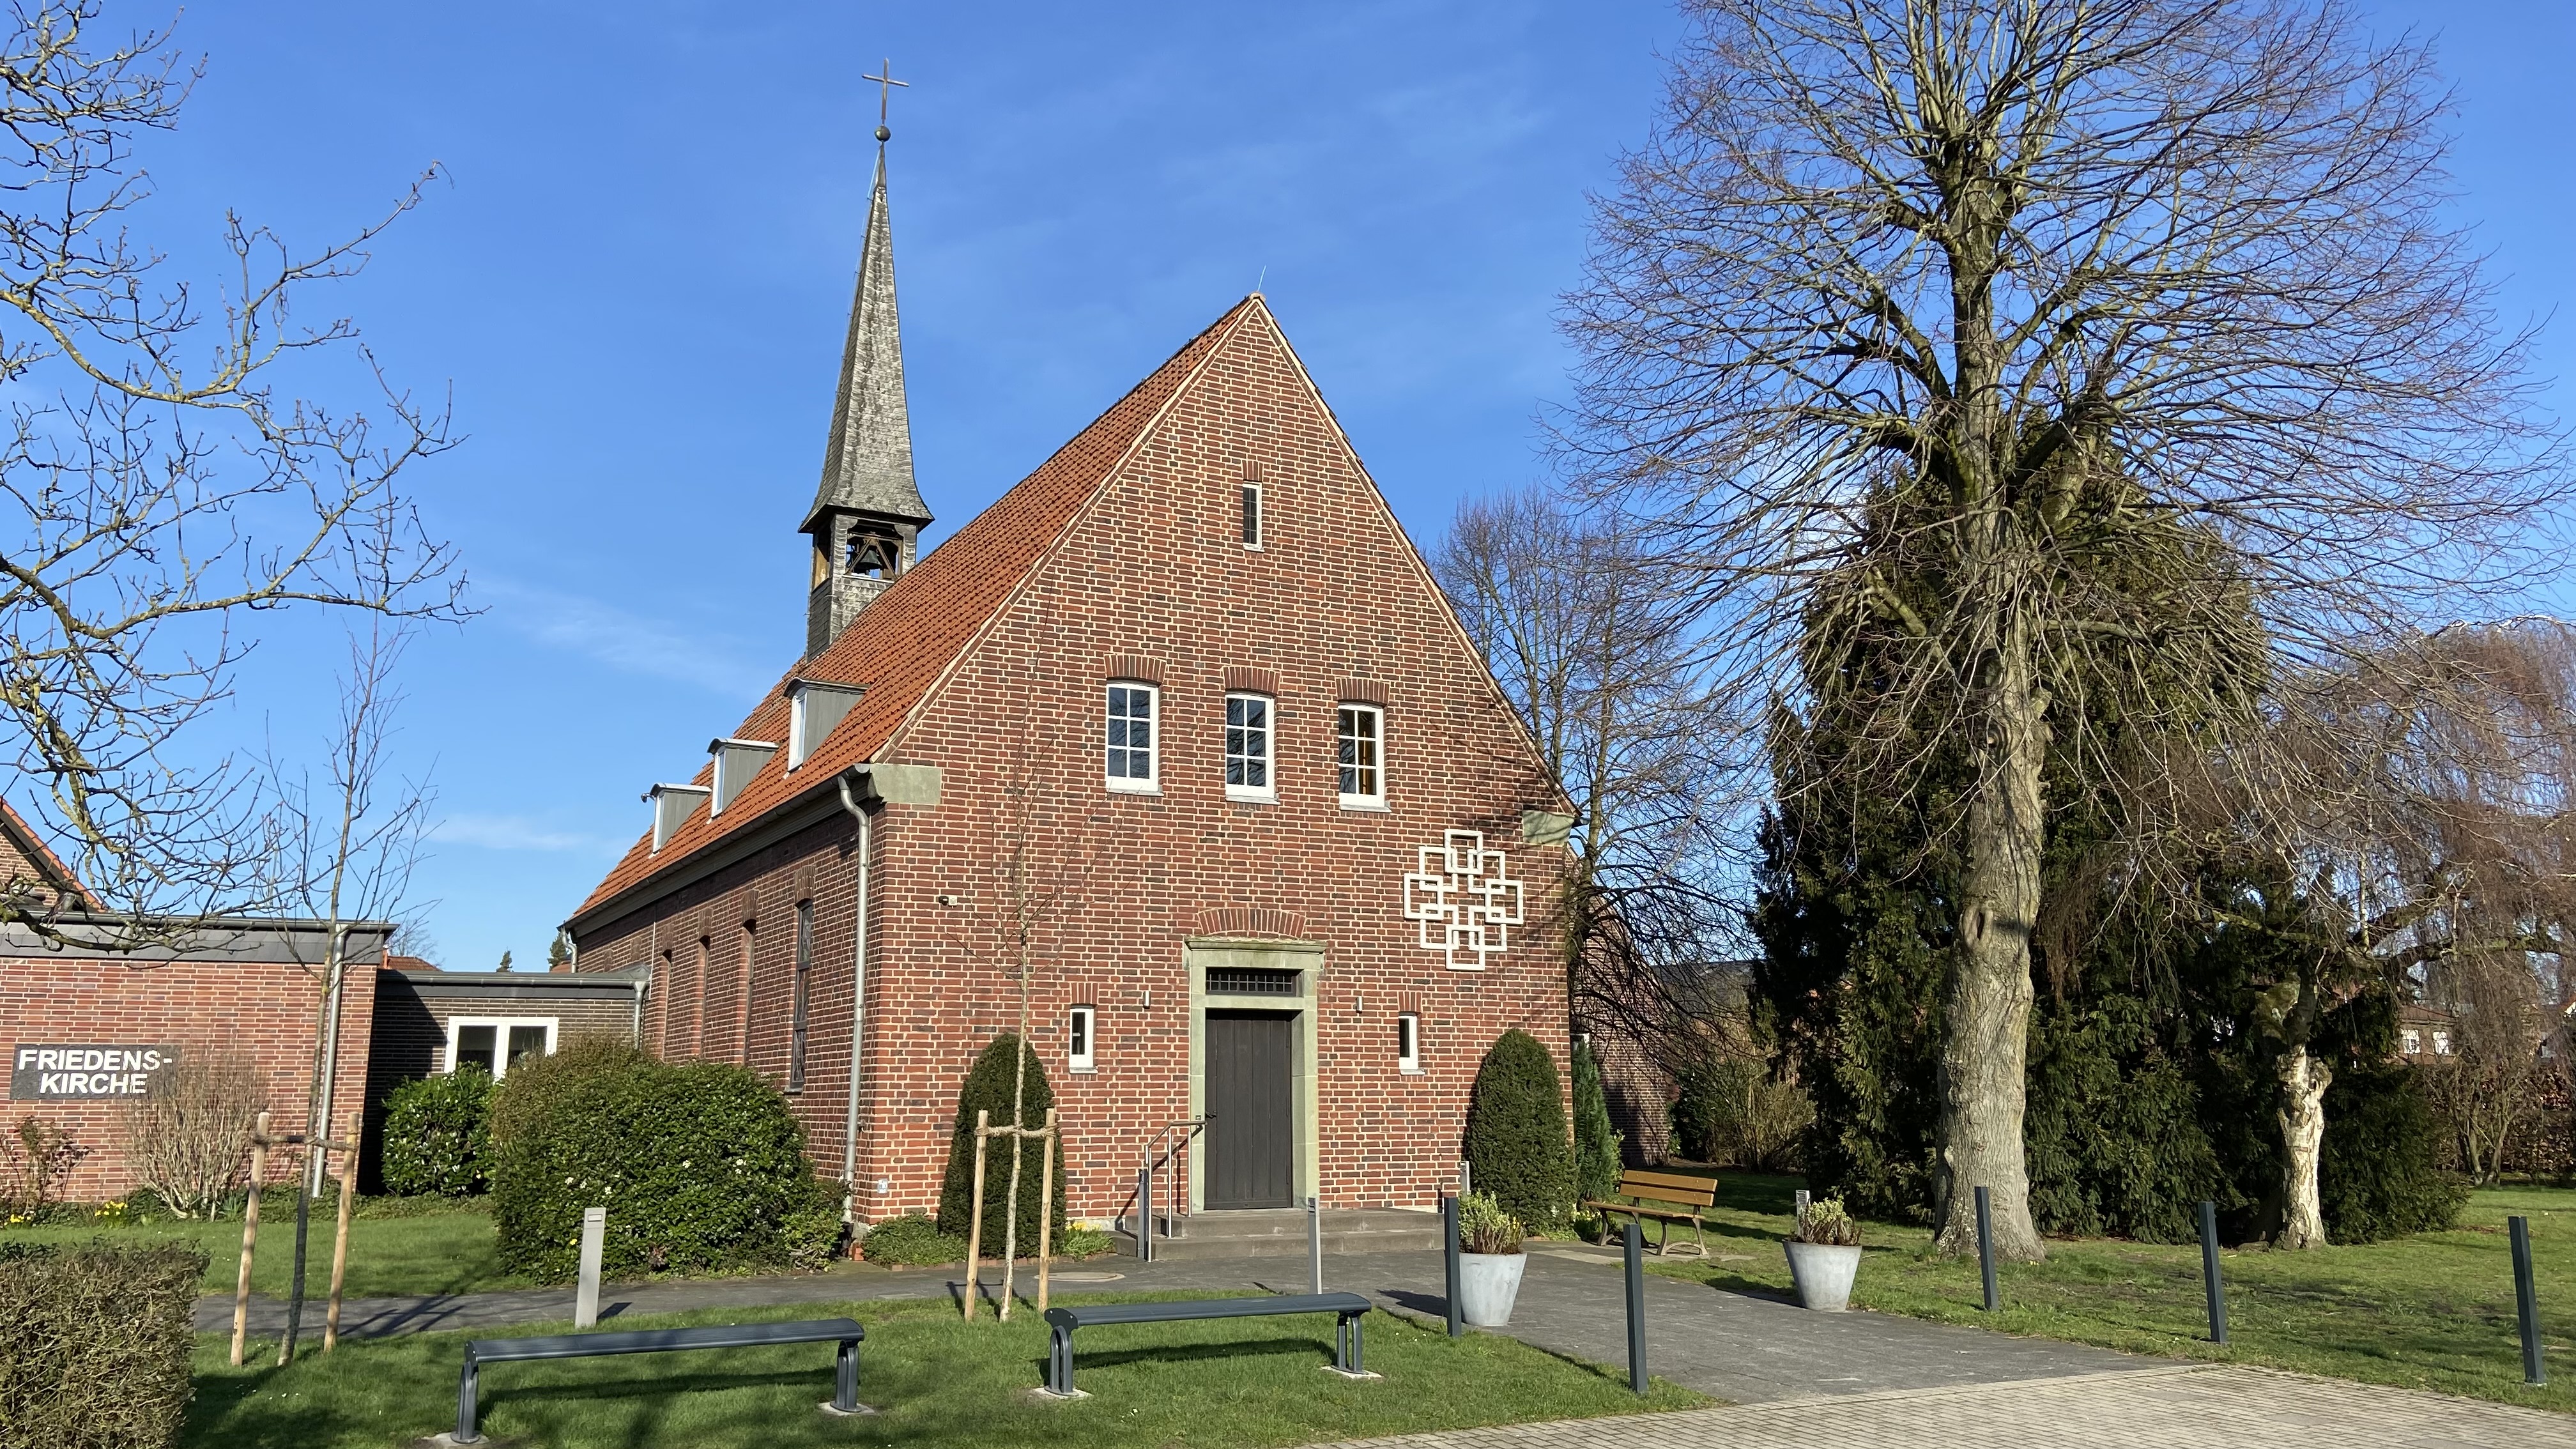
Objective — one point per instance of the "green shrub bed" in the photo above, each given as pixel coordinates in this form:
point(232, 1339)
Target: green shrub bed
point(700, 1165)
point(438, 1138)
point(94, 1343)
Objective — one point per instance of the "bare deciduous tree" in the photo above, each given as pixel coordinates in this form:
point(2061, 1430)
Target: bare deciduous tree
point(1597, 654)
point(2036, 352)
point(165, 480)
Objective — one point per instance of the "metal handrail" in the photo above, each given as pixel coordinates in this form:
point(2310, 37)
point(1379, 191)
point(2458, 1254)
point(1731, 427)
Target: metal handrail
point(1163, 1150)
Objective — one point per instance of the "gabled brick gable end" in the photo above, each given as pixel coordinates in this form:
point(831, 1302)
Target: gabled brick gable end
point(1144, 575)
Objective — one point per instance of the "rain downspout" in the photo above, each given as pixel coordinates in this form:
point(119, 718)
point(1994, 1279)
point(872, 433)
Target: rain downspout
point(858, 1001)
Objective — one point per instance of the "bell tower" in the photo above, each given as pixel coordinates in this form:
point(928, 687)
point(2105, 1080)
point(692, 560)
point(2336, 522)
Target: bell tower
point(868, 514)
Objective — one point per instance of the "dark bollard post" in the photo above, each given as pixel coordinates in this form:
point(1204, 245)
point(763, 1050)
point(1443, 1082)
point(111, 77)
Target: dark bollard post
point(1986, 1248)
point(1145, 1213)
point(1636, 1307)
point(2209, 1272)
point(1449, 1252)
point(2526, 1301)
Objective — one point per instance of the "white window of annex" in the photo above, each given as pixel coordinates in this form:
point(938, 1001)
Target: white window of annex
point(1078, 1039)
point(1132, 756)
point(1248, 775)
point(1408, 1043)
point(1359, 738)
point(495, 1043)
point(2410, 1042)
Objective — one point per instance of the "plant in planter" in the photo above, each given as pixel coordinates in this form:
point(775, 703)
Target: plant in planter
point(1490, 1260)
point(1824, 1254)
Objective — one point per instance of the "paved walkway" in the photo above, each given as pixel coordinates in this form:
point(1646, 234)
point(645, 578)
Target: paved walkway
point(2166, 1408)
point(1801, 1380)
point(1737, 1347)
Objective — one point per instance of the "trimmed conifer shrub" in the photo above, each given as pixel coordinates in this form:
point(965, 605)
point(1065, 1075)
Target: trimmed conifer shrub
point(1516, 1143)
point(2376, 1177)
point(95, 1350)
point(700, 1165)
point(438, 1135)
point(988, 1088)
point(1596, 1146)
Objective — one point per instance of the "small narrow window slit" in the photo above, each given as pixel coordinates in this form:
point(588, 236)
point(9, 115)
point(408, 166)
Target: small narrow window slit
point(1078, 1039)
point(1408, 1043)
point(1251, 515)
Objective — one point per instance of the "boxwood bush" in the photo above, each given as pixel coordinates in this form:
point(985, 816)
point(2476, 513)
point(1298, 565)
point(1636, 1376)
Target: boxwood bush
point(438, 1135)
point(95, 1350)
point(1516, 1143)
point(700, 1165)
point(988, 1088)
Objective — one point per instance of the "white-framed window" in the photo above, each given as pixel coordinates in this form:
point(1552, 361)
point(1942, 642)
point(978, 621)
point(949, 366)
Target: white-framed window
point(1359, 738)
point(1251, 514)
point(1408, 1043)
point(494, 1043)
point(1132, 708)
point(1247, 748)
point(2441, 1043)
point(1078, 1039)
point(2410, 1041)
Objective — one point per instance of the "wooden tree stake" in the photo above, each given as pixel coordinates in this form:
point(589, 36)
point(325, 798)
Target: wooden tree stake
point(340, 1246)
point(250, 1235)
point(1046, 1205)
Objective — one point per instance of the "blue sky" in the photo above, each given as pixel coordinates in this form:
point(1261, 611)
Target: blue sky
point(636, 270)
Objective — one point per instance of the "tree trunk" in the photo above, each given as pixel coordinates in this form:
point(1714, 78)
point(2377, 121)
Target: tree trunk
point(2303, 1133)
point(1984, 1052)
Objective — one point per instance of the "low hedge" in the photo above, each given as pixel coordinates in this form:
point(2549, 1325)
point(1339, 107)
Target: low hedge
point(700, 1165)
point(95, 1350)
point(438, 1135)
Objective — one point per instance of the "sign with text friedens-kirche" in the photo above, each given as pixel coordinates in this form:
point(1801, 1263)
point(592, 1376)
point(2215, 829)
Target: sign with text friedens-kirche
point(57, 1073)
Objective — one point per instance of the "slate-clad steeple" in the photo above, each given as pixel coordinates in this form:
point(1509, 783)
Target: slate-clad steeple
point(868, 512)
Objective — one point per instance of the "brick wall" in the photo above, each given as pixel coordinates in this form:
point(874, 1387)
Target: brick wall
point(266, 1010)
point(1113, 885)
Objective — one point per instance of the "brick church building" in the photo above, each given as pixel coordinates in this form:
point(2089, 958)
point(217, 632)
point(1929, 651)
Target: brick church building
point(1181, 726)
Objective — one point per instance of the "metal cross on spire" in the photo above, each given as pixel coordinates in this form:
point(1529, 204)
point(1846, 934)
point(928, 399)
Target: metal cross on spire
point(885, 89)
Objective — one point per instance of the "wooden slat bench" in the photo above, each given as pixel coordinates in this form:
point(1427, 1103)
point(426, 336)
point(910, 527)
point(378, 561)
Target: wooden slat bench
point(1682, 1196)
point(1346, 1329)
point(843, 1331)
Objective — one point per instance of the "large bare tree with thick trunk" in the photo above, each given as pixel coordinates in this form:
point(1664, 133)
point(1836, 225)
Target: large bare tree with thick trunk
point(2039, 353)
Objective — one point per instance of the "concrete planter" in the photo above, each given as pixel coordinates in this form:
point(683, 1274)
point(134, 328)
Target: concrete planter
point(1487, 1284)
point(1824, 1273)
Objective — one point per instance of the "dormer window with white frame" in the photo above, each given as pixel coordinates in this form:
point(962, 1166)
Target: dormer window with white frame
point(1079, 1042)
point(814, 710)
point(671, 806)
point(1132, 760)
point(1248, 737)
point(736, 762)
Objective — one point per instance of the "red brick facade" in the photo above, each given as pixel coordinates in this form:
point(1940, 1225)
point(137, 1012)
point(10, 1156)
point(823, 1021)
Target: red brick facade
point(1125, 560)
point(246, 996)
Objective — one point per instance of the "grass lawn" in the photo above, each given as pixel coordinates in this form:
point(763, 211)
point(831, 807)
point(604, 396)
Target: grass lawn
point(2434, 1311)
point(437, 1252)
point(1211, 1385)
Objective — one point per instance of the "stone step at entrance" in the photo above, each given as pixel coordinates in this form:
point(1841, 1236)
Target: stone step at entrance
point(1281, 1233)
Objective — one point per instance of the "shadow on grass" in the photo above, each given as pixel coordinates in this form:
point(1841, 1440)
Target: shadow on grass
point(1085, 1360)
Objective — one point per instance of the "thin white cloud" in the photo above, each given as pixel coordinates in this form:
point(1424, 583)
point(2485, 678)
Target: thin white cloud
point(623, 640)
point(517, 832)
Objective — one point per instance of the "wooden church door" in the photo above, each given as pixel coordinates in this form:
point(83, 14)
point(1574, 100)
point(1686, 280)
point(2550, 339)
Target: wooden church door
point(1251, 1143)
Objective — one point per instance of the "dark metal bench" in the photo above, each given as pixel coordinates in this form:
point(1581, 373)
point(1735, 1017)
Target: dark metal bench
point(1346, 1328)
point(843, 1331)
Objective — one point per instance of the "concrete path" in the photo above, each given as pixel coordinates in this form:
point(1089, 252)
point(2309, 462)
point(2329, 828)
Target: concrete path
point(1744, 1349)
point(2171, 1407)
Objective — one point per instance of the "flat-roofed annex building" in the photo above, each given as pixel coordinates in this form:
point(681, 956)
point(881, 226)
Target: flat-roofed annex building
point(1183, 722)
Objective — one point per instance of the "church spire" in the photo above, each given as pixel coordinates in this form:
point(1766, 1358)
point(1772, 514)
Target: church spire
point(868, 511)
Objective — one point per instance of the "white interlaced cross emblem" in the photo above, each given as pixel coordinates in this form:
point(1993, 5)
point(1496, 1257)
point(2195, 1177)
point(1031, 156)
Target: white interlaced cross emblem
point(1466, 905)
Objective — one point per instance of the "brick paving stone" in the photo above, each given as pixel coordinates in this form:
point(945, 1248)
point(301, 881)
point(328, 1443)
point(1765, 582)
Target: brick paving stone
point(2212, 1407)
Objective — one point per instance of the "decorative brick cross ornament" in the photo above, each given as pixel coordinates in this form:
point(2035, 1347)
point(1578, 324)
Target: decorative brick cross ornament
point(1463, 899)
